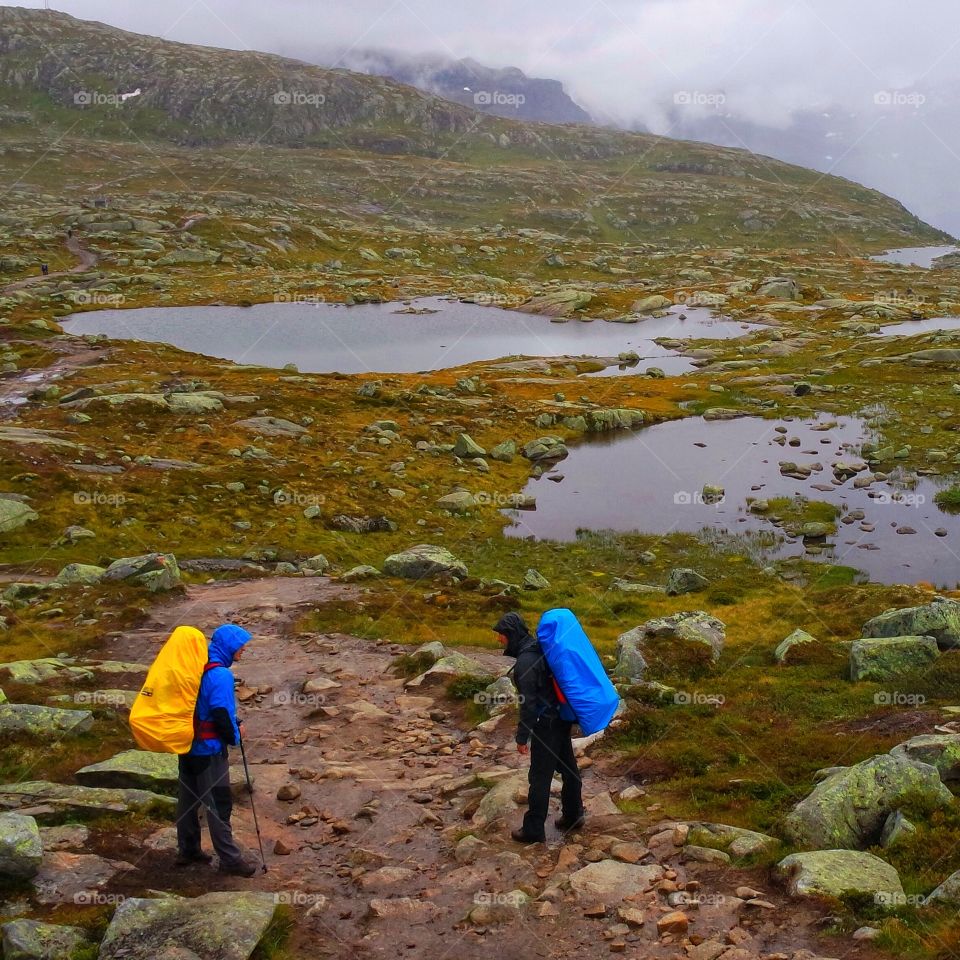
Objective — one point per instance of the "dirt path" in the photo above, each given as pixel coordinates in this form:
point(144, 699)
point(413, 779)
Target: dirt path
point(74, 354)
point(380, 814)
point(87, 259)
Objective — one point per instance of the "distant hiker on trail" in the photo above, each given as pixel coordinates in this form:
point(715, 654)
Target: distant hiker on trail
point(45, 269)
point(204, 772)
point(542, 733)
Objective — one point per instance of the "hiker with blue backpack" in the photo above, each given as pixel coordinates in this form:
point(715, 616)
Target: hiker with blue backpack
point(204, 772)
point(560, 682)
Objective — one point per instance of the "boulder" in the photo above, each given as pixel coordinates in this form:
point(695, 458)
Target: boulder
point(849, 809)
point(504, 452)
point(85, 573)
point(194, 404)
point(424, 561)
point(39, 721)
point(155, 571)
point(271, 427)
point(32, 940)
point(467, 448)
point(890, 657)
point(737, 841)
point(216, 926)
point(534, 580)
point(317, 565)
point(779, 288)
point(799, 638)
point(499, 802)
point(896, 827)
point(14, 514)
point(947, 893)
point(939, 619)
point(609, 881)
point(683, 581)
point(631, 664)
point(603, 421)
point(447, 668)
point(940, 750)
point(21, 850)
point(558, 303)
point(689, 627)
point(834, 873)
point(545, 449)
point(64, 797)
point(460, 501)
point(652, 304)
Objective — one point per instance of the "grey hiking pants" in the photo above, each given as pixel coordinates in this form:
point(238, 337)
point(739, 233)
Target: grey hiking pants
point(205, 782)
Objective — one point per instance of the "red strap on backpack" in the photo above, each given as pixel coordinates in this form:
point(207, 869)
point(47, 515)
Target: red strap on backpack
point(205, 729)
point(558, 691)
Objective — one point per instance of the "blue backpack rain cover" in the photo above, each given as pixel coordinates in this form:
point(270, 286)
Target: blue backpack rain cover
point(591, 697)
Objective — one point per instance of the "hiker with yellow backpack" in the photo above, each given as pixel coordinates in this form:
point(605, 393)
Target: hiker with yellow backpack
point(188, 706)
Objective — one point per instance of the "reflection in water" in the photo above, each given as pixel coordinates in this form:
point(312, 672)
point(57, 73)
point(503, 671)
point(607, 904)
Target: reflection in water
point(327, 338)
point(652, 481)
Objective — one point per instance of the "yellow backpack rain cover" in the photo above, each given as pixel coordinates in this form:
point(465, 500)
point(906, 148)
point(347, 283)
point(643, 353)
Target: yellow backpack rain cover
point(161, 719)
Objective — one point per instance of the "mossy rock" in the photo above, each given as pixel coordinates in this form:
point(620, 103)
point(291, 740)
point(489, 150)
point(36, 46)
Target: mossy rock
point(841, 873)
point(939, 619)
point(889, 657)
point(798, 638)
point(216, 926)
point(849, 809)
point(40, 721)
point(32, 940)
point(21, 849)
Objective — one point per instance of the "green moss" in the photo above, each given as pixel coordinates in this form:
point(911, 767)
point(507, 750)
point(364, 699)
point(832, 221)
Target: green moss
point(949, 500)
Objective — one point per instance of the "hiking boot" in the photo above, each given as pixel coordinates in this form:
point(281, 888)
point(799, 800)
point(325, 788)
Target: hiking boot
point(241, 868)
point(566, 824)
point(187, 859)
point(522, 837)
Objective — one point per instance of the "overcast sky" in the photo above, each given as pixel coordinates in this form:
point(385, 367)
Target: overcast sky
point(621, 59)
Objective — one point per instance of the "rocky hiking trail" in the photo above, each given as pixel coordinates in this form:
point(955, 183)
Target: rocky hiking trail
point(87, 260)
point(73, 354)
point(395, 842)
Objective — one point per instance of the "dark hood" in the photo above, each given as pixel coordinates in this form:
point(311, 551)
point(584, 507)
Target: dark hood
point(518, 634)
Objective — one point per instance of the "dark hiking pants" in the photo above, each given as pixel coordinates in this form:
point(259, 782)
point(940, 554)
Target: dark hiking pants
point(205, 782)
point(551, 751)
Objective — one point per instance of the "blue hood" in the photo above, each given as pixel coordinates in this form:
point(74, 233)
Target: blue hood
point(226, 641)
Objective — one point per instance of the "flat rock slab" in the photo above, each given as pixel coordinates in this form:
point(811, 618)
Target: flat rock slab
point(57, 797)
point(143, 770)
point(53, 668)
point(609, 881)
point(74, 877)
point(43, 721)
point(216, 926)
point(30, 940)
point(832, 873)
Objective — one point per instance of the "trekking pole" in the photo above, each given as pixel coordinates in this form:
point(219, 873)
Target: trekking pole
point(253, 806)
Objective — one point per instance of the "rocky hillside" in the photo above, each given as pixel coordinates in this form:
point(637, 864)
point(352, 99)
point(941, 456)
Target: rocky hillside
point(64, 80)
point(507, 92)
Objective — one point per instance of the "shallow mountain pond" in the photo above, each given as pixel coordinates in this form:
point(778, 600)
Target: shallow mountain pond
point(381, 338)
point(652, 481)
point(914, 256)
